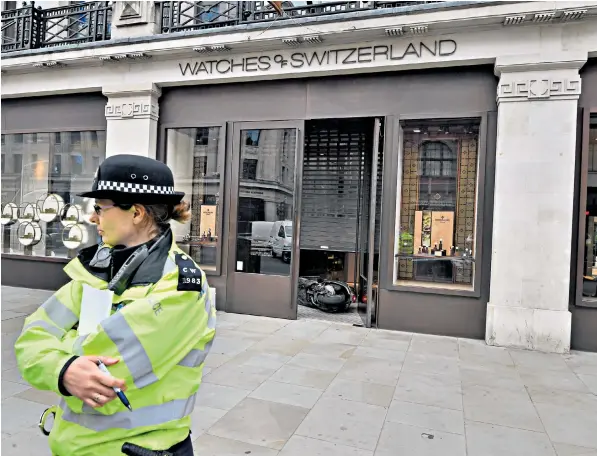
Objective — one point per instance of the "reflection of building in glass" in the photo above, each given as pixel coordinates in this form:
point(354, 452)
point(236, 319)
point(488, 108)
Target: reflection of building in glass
point(193, 158)
point(266, 176)
point(265, 200)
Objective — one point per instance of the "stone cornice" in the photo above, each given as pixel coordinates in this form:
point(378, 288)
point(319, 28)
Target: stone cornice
point(340, 29)
point(136, 90)
point(537, 62)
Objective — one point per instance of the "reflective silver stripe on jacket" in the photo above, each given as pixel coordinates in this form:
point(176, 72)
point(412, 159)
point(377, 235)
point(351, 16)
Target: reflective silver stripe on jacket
point(169, 266)
point(57, 332)
point(131, 349)
point(152, 415)
point(211, 319)
point(196, 357)
point(78, 345)
point(60, 315)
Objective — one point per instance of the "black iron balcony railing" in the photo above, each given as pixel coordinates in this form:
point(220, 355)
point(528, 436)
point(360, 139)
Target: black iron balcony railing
point(184, 16)
point(30, 28)
point(20, 28)
point(75, 24)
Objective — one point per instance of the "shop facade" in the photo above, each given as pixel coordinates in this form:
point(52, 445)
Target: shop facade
point(378, 158)
point(583, 302)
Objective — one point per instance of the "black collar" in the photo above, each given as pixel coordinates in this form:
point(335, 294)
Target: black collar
point(149, 272)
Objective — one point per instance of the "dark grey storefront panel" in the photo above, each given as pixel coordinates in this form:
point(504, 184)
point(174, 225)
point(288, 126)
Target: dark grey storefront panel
point(584, 319)
point(588, 94)
point(421, 92)
point(432, 314)
point(270, 100)
point(406, 93)
point(57, 113)
point(584, 329)
point(33, 272)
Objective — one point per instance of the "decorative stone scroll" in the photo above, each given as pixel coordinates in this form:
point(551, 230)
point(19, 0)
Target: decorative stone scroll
point(132, 110)
point(538, 89)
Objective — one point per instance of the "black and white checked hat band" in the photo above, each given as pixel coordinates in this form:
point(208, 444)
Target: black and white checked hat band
point(135, 188)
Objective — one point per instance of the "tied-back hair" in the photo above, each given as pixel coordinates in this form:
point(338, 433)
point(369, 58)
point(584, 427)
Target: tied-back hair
point(161, 214)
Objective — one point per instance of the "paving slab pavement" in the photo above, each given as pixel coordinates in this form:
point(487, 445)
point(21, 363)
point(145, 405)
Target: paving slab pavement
point(313, 388)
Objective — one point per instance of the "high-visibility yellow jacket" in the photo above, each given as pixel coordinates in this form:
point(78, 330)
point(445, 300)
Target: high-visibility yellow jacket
point(161, 335)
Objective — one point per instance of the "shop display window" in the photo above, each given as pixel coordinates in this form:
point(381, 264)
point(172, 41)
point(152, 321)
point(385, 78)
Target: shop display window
point(437, 201)
point(41, 176)
point(192, 154)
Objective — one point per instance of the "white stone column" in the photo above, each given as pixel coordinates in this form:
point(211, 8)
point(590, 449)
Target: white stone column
point(534, 193)
point(132, 119)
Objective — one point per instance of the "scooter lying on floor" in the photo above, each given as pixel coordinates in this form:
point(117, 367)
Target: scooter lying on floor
point(326, 295)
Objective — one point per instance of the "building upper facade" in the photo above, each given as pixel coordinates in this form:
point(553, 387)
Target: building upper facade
point(92, 46)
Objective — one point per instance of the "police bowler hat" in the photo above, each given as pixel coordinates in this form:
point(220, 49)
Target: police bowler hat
point(134, 179)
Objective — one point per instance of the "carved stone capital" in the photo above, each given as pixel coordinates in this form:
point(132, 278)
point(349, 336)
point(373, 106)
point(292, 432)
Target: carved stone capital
point(132, 102)
point(520, 88)
point(124, 109)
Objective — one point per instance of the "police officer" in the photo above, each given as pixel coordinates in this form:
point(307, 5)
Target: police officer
point(157, 336)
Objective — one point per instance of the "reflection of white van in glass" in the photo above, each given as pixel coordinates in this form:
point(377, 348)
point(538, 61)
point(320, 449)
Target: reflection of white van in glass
point(281, 239)
point(261, 238)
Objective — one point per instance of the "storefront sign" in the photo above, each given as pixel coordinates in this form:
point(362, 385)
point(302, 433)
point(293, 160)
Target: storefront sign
point(208, 221)
point(320, 58)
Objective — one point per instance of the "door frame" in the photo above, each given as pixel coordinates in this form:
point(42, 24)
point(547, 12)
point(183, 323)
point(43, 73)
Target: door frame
point(377, 125)
point(162, 155)
point(393, 180)
point(233, 150)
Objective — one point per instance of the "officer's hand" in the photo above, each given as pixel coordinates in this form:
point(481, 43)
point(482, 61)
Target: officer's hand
point(84, 380)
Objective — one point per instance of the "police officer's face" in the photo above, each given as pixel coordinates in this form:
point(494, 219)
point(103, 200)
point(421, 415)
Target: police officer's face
point(114, 224)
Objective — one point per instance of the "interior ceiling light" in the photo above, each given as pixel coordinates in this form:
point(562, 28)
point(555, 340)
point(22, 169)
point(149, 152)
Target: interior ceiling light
point(514, 20)
point(419, 29)
point(396, 31)
point(573, 15)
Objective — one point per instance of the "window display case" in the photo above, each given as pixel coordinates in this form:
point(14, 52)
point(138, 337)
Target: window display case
point(435, 232)
point(42, 174)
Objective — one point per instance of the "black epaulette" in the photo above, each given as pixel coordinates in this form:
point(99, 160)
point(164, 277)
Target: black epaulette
point(189, 274)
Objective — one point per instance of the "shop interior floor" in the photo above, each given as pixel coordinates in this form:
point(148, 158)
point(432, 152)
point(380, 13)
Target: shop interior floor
point(351, 317)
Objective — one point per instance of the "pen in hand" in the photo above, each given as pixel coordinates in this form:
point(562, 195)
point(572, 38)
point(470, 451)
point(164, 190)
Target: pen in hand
point(118, 391)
